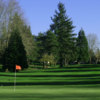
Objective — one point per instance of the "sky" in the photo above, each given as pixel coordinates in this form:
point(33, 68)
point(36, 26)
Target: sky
point(84, 14)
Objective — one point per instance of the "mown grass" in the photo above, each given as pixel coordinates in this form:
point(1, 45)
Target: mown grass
point(69, 83)
point(58, 76)
point(49, 93)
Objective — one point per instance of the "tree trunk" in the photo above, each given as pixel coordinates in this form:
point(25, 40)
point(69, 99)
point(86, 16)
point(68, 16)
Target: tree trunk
point(61, 63)
point(43, 65)
point(78, 62)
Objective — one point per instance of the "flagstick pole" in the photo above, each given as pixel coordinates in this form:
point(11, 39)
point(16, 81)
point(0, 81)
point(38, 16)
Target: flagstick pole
point(15, 81)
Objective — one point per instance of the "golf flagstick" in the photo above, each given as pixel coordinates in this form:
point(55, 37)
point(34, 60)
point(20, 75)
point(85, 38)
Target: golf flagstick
point(15, 80)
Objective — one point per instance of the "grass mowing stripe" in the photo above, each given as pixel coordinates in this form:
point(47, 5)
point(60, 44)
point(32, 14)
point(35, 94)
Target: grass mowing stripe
point(53, 73)
point(48, 93)
point(10, 79)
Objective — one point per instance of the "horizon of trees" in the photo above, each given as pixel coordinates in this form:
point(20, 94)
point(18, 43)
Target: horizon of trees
point(58, 45)
point(80, 49)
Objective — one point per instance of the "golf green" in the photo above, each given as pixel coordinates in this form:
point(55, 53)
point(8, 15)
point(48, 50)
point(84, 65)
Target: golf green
point(49, 92)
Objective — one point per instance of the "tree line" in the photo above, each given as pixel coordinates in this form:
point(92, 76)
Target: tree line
point(61, 42)
point(65, 46)
point(58, 45)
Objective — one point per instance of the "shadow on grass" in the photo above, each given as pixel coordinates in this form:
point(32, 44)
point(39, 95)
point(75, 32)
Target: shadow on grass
point(50, 83)
point(83, 66)
point(74, 70)
point(86, 75)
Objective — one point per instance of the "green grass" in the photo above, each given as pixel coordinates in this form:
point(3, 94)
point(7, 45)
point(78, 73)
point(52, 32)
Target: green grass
point(58, 76)
point(46, 76)
point(69, 83)
point(49, 93)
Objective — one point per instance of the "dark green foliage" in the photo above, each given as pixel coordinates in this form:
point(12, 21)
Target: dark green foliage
point(15, 53)
point(26, 34)
point(47, 44)
point(51, 44)
point(82, 47)
point(63, 28)
point(40, 40)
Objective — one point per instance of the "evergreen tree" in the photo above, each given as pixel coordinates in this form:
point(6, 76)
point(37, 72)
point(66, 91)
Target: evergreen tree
point(15, 53)
point(51, 45)
point(40, 40)
point(82, 47)
point(63, 28)
point(25, 33)
point(47, 44)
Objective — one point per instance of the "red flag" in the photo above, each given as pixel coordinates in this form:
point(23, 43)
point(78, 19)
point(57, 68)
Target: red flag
point(18, 67)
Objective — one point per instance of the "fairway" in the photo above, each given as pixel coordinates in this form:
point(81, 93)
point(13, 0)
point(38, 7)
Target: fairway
point(56, 76)
point(49, 93)
point(72, 83)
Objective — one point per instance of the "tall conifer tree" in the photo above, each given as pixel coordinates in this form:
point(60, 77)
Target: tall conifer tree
point(82, 47)
point(15, 53)
point(63, 28)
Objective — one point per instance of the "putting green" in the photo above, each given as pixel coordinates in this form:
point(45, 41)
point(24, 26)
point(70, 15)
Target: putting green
point(49, 93)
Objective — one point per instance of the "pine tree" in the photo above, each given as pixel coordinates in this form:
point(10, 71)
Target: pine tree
point(51, 45)
point(26, 34)
point(63, 28)
point(82, 47)
point(40, 40)
point(15, 53)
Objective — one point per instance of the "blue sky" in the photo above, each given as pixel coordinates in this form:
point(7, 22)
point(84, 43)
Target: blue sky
point(84, 14)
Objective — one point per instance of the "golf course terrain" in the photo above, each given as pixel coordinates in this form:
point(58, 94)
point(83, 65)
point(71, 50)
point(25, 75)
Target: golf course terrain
point(48, 54)
point(69, 83)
